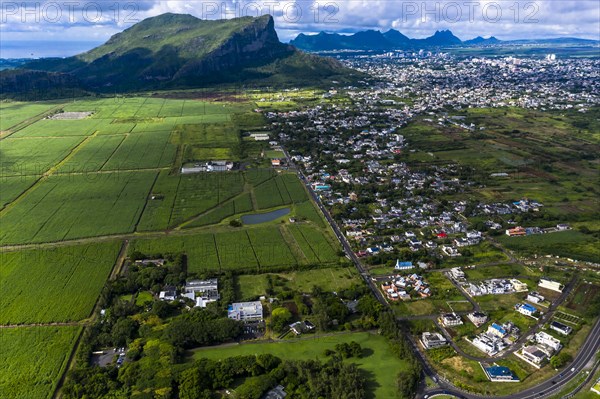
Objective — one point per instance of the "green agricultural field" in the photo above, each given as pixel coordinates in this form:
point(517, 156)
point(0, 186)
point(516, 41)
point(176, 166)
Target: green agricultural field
point(142, 151)
point(33, 360)
point(380, 364)
point(34, 156)
point(270, 248)
point(312, 241)
point(13, 113)
point(243, 250)
point(75, 206)
point(53, 285)
point(281, 190)
point(61, 128)
point(92, 155)
point(200, 249)
point(328, 279)
point(14, 186)
point(200, 192)
point(569, 244)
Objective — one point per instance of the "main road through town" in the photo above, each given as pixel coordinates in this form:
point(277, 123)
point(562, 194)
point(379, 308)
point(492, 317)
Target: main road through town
point(585, 356)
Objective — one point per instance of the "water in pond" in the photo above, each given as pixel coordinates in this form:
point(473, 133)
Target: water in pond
point(257, 218)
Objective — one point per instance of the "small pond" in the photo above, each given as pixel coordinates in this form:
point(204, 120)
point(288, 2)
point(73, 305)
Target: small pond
point(257, 218)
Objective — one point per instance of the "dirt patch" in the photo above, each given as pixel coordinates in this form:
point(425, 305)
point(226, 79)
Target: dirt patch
point(457, 363)
point(71, 115)
point(583, 296)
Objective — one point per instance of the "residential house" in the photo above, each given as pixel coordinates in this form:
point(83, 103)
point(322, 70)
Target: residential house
point(477, 318)
point(245, 311)
point(548, 340)
point(433, 340)
point(534, 297)
point(526, 309)
point(450, 320)
point(560, 328)
point(533, 355)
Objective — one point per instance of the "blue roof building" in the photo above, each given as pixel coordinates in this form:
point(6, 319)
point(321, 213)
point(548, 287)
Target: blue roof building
point(526, 309)
point(403, 265)
point(500, 374)
point(497, 329)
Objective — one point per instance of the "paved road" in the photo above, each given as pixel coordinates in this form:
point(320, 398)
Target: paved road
point(546, 389)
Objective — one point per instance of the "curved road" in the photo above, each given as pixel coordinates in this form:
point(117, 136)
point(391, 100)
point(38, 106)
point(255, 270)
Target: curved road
point(548, 388)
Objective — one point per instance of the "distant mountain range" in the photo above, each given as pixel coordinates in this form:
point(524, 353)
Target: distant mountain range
point(179, 51)
point(395, 40)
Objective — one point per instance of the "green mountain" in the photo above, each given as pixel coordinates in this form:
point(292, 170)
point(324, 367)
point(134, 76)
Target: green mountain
point(182, 51)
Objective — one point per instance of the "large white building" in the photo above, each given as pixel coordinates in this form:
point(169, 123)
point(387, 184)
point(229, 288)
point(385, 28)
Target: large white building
point(548, 340)
point(245, 311)
point(551, 285)
point(202, 292)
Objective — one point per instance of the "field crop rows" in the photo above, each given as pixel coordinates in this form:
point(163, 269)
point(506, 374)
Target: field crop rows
point(75, 206)
point(13, 113)
point(246, 250)
point(34, 156)
point(33, 359)
point(281, 190)
point(13, 186)
point(53, 285)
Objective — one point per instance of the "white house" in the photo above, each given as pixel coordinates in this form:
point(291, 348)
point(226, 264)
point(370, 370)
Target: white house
point(548, 340)
point(245, 311)
point(433, 340)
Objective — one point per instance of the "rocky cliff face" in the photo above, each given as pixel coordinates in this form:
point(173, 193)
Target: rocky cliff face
point(38, 85)
point(256, 44)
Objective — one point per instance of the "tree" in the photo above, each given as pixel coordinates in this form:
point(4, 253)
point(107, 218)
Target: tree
point(123, 331)
point(560, 360)
point(280, 318)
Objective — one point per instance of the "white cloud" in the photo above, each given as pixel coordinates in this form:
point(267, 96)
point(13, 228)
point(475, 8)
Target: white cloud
point(510, 19)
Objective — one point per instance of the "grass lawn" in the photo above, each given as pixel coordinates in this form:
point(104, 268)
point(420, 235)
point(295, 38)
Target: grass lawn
point(329, 279)
point(379, 364)
point(143, 297)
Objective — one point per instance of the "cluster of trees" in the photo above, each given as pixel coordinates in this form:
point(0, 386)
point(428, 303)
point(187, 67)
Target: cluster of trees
point(407, 381)
point(560, 360)
point(158, 376)
point(327, 309)
point(200, 327)
point(347, 350)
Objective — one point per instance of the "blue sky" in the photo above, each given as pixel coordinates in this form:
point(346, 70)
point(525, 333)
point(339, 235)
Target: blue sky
point(62, 28)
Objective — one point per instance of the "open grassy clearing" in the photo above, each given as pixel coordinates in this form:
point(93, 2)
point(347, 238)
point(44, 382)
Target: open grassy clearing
point(75, 206)
point(53, 285)
point(328, 279)
point(34, 358)
point(378, 362)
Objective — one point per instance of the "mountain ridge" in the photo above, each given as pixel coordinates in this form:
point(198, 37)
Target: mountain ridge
point(182, 51)
point(395, 40)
